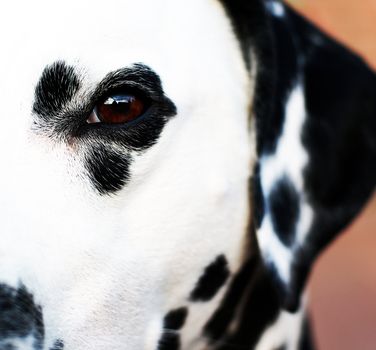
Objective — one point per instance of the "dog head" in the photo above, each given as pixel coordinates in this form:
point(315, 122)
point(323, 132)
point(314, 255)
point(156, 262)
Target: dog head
point(146, 142)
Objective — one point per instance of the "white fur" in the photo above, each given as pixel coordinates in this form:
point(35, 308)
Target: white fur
point(107, 269)
point(285, 331)
point(274, 251)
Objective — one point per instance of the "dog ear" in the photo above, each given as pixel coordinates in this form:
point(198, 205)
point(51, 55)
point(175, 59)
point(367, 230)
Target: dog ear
point(315, 114)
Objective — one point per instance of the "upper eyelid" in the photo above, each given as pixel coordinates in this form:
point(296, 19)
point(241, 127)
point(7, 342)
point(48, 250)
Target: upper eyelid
point(103, 92)
point(138, 78)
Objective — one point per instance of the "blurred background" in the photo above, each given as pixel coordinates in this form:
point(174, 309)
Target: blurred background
point(342, 286)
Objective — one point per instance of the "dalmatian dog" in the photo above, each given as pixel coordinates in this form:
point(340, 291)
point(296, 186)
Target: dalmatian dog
point(171, 170)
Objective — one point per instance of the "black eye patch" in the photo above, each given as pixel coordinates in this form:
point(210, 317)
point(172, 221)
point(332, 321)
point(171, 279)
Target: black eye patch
point(56, 87)
point(106, 148)
point(20, 316)
point(108, 168)
point(139, 134)
point(59, 84)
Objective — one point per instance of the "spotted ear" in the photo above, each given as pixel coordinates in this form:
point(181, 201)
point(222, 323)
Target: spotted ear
point(316, 139)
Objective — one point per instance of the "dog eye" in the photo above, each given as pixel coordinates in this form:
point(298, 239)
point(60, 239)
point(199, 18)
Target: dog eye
point(117, 109)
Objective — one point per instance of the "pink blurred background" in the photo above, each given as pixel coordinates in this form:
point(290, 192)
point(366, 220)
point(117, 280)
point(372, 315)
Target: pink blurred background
point(343, 283)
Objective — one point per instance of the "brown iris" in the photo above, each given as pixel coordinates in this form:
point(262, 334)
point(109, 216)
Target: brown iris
point(117, 109)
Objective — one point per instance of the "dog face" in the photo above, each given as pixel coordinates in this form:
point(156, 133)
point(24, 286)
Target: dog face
point(131, 134)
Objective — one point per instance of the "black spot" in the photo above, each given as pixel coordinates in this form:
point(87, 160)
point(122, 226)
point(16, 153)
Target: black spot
point(20, 316)
point(108, 170)
point(216, 326)
point(251, 303)
point(259, 310)
point(58, 345)
point(58, 84)
point(175, 319)
point(306, 341)
point(172, 323)
point(169, 341)
point(284, 210)
point(257, 203)
point(213, 278)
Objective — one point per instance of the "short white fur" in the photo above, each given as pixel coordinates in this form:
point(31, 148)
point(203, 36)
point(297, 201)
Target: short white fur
point(105, 269)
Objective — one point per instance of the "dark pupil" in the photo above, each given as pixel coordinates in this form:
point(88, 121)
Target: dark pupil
point(120, 104)
point(120, 109)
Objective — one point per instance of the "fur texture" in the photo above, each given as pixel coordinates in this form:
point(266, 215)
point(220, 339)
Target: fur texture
point(193, 226)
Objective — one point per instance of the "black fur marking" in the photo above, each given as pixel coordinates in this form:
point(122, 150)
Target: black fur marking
point(284, 210)
point(252, 26)
point(213, 278)
point(260, 309)
point(269, 126)
point(340, 138)
point(257, 203)
point(169, 341)
point(253, 301)
point(108, 170)
point(138, 77)
point(175, 319)
point(58, 345)
point(19, 317)
point(172, 323)
point(69, 123)
point(339, 133)
point(143, 132)
point(306, 341)
point(58, 84)
point(217, 325)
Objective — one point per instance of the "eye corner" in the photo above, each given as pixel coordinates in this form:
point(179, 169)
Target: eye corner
point(93, 118)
